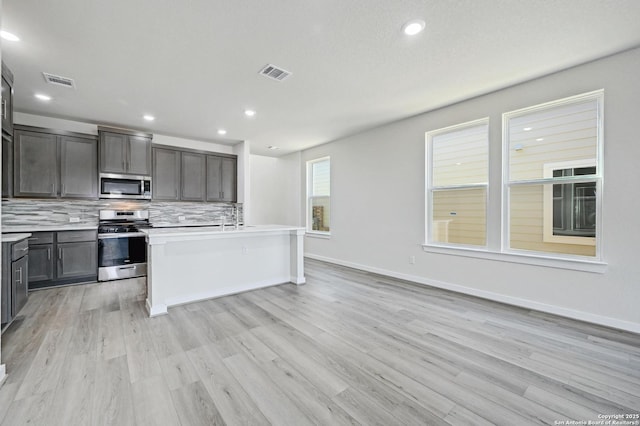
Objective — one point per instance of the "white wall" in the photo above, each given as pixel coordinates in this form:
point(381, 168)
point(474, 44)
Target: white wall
point(378, 201)
point(275, 190)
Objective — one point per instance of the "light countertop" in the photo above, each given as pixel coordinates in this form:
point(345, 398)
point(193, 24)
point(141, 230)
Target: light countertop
point(12, 238)
point(216, 231)
point(41, 228)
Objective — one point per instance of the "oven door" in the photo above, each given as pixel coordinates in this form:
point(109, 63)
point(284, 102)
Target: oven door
point(121, 256)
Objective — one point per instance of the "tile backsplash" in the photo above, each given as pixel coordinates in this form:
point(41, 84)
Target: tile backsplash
point(25, 212)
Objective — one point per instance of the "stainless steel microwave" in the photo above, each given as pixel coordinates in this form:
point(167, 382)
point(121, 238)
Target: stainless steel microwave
point(125, 186)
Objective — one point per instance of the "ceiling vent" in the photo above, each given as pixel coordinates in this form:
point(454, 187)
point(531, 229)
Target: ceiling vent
point(59, 80)
point(274, 72)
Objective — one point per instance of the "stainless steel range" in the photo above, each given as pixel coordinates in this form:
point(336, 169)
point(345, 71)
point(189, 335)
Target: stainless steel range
point(122, 249)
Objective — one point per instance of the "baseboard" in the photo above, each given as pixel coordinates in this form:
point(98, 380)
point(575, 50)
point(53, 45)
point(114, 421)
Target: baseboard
point(225, 291)
point(154, 311)
point(496, 297)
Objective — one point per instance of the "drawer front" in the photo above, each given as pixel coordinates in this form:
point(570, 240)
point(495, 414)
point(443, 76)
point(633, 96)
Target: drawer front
point(75, 236)
point(41, 238)
point(19, 249)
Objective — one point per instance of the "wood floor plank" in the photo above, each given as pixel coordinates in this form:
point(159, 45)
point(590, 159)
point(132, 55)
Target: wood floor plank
point(233, 402)
point(195, 406)
point(349, 347)
point(153, 403)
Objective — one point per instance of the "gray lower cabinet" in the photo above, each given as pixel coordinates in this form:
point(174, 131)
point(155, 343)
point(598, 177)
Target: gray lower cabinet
point(15, 280)
point(77, 260)
point(41, 265)
point(193, 182)
point(63, 257)
point(166, 174)
point(124, 153)
point(221, 179)
point(53, 165)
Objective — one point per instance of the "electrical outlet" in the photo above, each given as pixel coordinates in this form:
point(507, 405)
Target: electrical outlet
point(74, 219)
point(412, 260)
point(181, 218)
point(245, 250)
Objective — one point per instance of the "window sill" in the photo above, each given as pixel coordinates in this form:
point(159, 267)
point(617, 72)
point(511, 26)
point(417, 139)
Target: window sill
point(316, 234)
point(584, 265)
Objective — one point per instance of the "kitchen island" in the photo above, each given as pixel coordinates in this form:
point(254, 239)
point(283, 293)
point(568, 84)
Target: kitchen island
point(187, 264)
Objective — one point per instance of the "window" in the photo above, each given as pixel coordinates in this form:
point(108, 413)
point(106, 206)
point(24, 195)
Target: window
point(553, 177)
point(319, 196)
point(457, 176)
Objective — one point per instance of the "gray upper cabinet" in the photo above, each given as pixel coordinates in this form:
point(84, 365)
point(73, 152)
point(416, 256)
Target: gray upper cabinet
point(188, 175)
point(125, 153)
point(7, 166)
point(139, 161)
point(166, 174)
point(35, 164)
point(6, 107)
point(221, 179)
point(78, 167)
point(113, 153)
point(193, 177)
point(50, 165)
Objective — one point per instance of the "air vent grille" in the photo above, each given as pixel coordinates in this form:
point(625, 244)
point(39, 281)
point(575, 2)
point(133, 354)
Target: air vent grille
point(274, 72)
point(59, 80)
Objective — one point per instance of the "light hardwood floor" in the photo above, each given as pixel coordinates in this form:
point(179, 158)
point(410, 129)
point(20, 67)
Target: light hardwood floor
point(346, 348)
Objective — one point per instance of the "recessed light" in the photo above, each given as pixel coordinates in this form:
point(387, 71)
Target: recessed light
point(458, 164)
point(8, 36)
point(149, 117)
point(539, 139)
point(222, 132)
point(413, 27)
point(273, 147)
point(526, 129)
point(42, 97)
point(249, 112)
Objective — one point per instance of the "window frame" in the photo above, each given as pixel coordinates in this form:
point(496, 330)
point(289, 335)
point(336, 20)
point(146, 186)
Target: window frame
point(547, 203)
point(310, 197)
point(430, 189)
point(598, 96)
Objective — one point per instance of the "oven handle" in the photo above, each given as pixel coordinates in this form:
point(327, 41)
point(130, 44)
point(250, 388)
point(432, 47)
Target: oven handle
point(121, 235)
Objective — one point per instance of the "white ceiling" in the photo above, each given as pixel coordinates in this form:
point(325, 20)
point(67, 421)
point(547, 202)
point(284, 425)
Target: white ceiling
point(194, 64)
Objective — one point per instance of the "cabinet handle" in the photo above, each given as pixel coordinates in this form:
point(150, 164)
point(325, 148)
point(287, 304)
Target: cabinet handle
point(62, 189)
point(48, 254)
point(4, 109)
point(59, 253)
point(20, 271)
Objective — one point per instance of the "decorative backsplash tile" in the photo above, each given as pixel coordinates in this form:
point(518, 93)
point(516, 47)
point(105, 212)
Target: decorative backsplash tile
point(25, 212)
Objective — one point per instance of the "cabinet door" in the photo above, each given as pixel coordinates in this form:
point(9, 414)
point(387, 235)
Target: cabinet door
point(7, 166)
point(193, 177)
point(228, 176)
point(214, 178)
point(78, 167)
point(20, 282)
point(113, 153)
point(166, 174)
point(139, 156)
point(40, 263)
point(7, 107)
point(35, 164)
point(77, 259)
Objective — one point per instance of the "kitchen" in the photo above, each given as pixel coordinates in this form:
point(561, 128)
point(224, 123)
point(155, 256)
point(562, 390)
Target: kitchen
point(324, 110)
